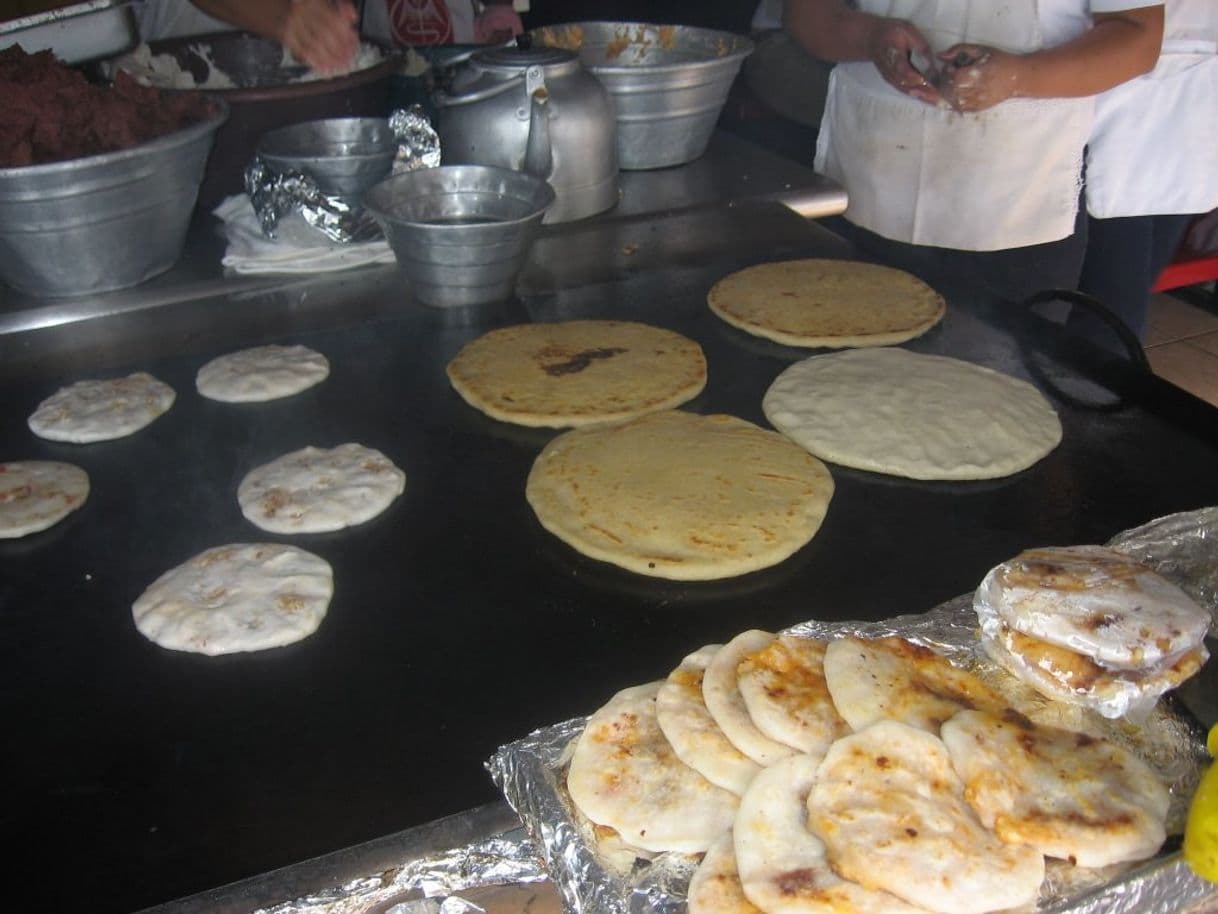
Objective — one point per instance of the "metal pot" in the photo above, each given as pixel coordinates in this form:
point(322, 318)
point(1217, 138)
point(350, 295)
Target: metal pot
point(536, 111)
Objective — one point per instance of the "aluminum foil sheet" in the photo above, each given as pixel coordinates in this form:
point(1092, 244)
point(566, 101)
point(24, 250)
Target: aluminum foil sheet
point(594, 877)
point(274, 195)
point(430, 885)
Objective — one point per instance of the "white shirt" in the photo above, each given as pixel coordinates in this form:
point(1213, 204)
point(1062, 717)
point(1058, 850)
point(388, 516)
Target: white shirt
point(159, 19)
point(1154, 145)
point(1001, 178)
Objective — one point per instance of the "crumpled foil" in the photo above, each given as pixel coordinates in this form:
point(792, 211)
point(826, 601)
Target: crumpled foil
point(594, 878)
point(274, 195)
point(429, 885)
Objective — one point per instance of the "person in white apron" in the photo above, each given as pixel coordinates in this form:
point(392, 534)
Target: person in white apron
point(399, 23)
point(958, 127)
point(320, 33)
point(1152, 165)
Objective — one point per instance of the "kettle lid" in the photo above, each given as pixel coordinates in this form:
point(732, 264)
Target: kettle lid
point(514, 59)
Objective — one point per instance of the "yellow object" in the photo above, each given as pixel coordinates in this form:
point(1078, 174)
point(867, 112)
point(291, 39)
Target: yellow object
point(1201, 831)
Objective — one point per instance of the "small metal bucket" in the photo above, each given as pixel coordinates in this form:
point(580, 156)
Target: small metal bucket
point(344, 155)
point(102, 222)
point(460, 232)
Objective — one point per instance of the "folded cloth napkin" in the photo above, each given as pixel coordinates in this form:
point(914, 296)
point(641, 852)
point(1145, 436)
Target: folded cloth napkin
point(297, 247)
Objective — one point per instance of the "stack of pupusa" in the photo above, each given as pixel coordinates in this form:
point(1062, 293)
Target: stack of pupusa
point(1091, 626)
point(853, 775)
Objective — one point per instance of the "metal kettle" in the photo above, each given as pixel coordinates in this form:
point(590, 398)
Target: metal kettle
point(538, 111)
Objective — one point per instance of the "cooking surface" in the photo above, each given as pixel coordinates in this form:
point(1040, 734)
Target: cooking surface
point(143, 775)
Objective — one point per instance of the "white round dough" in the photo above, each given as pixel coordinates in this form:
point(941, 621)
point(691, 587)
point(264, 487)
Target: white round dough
point(37, 494)
point(891, 411)
point(261, 373)
point(240, 597)
point(314, 490)
point(95, 410)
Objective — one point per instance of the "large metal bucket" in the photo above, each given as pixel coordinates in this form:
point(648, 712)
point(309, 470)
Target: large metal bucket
point(668, 83)
point(460, 232)
point(102, 222)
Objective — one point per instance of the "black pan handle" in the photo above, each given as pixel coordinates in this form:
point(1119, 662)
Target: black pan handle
point(1133, 346)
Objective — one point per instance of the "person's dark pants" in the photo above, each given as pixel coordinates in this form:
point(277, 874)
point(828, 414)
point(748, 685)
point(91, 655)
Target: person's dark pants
point(1012, 274)
point(1124, 257)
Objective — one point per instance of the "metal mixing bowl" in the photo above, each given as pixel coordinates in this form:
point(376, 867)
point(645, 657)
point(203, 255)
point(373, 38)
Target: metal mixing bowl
point(460, 232)
point(344, 155)
point(267, 99)
point(668, 82)
point(102, 222)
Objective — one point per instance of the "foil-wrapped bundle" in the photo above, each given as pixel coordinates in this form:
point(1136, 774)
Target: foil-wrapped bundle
point(276, 194)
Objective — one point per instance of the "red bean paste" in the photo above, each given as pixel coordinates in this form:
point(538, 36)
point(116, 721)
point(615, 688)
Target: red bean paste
point(50, 112)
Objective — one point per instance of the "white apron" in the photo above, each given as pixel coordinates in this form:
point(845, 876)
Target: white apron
point(1154, 148)
point(1002, 178)
point(175, 19)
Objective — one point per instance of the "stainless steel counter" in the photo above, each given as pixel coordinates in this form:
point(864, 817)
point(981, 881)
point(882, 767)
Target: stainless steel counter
point(140, 776)
point(731, 170)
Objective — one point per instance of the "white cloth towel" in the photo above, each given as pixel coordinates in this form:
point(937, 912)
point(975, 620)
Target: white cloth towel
point(298, 247)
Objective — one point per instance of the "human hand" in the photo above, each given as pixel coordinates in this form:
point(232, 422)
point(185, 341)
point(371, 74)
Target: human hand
point(975, 77)
point(321, 34)
point(890, 44)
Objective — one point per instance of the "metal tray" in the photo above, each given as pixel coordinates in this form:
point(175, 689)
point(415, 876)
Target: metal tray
point(77, 33)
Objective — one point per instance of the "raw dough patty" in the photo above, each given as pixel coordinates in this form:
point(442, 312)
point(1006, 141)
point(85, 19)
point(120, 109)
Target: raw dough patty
point(37, 494)
point(262, 373)
point(241, 597)
point(921, 416)
point(90, 411)
point(315, 490)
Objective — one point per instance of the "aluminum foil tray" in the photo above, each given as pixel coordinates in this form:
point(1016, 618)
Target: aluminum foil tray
point(594, 878)
point(77, 33)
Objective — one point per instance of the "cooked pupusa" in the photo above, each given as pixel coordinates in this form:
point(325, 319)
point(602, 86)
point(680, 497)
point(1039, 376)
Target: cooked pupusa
point(624, 775)
point(873, 679)
point(1095, 601)
point(891, 811)
point(1068, 795)
point(1091, 626)
point(691, 730)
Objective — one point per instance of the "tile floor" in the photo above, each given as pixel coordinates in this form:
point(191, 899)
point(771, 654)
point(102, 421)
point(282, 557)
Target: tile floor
point(1182, 340)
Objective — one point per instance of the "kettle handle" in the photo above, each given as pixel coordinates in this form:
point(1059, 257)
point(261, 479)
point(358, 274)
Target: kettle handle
point(445, 99)
point(538, 152)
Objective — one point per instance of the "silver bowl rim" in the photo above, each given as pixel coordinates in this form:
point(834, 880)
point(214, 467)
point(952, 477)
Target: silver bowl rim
point(389, 152)
point(158, 144)
point(393, 219)
point(744, 46)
